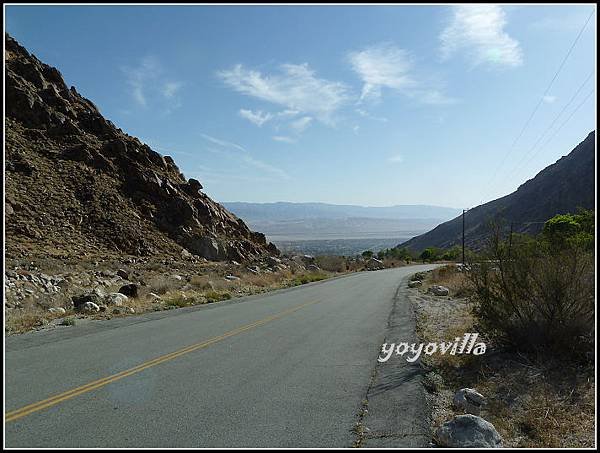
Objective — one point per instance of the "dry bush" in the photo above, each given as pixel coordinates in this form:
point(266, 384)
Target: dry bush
point(452, 278)
point(204, 282)
point(162, 284)
point(536, 298)
point(331, 263)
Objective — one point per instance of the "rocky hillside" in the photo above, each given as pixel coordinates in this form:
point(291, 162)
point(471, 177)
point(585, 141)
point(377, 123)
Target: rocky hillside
point(77, 185)
point(560, 188)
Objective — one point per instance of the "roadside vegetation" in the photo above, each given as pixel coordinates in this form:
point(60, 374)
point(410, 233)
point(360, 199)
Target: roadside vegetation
point(531, 299)
point(40, 293)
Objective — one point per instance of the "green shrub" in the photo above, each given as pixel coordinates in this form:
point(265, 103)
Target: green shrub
point(307, 278)
point(216, 296)
point(68, 321)
point(533, 295)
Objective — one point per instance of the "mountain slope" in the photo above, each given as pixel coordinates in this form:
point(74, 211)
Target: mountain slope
point(560, 188)
point(76, 184)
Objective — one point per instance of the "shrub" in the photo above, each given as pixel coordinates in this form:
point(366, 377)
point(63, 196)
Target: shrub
point(534, 296)
point(216, 296)
point(331, 263)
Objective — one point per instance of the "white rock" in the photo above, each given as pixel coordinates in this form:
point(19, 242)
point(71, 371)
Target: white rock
point(468, 431)
point(58, 310)
point(90, 306)
point(468, 400)
point(439, 290)
point(414, 283)
point(116, 299)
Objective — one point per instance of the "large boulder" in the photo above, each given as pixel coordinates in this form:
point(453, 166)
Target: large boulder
point(206, 247)
point(116, 299)
point(96, 296)
point(130, 290)
point(467, 431)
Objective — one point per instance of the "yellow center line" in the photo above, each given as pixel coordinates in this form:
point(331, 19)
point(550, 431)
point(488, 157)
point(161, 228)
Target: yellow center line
point(49, 402)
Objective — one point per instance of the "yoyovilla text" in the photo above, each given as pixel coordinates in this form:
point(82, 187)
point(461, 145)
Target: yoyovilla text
point(466, 345)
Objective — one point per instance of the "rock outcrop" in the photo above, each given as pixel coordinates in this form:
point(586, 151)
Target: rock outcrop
point(78, 184)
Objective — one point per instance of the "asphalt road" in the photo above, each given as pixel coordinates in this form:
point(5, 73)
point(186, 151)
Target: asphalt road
point(293, 368)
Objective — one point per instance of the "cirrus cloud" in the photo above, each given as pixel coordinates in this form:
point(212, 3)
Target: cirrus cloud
point(294, 87)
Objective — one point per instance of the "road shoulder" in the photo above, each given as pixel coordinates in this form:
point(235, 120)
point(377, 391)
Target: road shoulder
point(394, 411)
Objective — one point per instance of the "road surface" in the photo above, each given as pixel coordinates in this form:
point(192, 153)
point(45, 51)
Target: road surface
point(292, 368)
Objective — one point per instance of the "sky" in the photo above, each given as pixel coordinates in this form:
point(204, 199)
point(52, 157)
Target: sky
point(369, 105)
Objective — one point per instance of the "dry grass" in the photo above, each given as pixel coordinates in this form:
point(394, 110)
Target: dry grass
point(448, 276)
point(532, 401)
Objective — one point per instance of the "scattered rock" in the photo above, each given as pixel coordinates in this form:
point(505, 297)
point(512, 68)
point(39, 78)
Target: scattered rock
point(130, 290)
point(313, 268)
point(414, 283)
point(438, 290)
point(231, 277)
point(116, 299)
point(95, 297)
point(272, 261)
point(89, 307)
point(57, 310)
point(468, 400)
point(418, 276)
point(123, 274)
point(468, 431)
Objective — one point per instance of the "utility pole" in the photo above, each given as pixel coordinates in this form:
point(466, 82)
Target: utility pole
point(463, 237)
point(510, 239)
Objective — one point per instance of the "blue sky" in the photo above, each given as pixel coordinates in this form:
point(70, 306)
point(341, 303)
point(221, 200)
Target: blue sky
point(375, 106)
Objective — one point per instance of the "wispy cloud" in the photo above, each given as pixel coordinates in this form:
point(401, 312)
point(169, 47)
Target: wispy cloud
point(295, 87)
point(366, 114)
point(382, 66)
point(232, 151)
point(300, 125)
point(479, 31)
point(386, 66)
point(223, 143)
point(147, 84)
point(396, 159)
point(259, 117)
point(170, 89)
point(283, 138)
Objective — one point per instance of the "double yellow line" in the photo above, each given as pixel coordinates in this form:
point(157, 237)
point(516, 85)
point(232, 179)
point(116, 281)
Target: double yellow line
point(56, 399)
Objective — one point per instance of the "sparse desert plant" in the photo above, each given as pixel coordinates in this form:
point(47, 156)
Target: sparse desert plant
point(216, 296)
point(70, 321)
point(202, 282)
point(331, 263)
point(161, 284)
point(536, 294)
point(308, 278)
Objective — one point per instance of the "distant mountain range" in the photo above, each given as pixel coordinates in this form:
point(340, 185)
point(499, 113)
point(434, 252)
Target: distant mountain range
point(284, 221)
point(560, 188)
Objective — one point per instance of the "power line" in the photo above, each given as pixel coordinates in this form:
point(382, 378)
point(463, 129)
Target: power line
point(538, 104)
point(560, 127)
point(538, 141)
